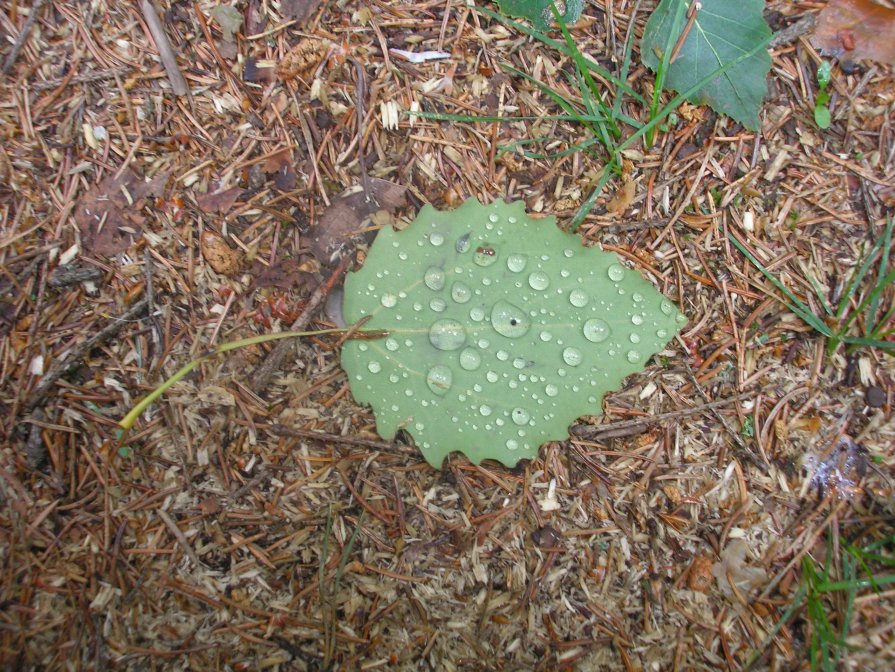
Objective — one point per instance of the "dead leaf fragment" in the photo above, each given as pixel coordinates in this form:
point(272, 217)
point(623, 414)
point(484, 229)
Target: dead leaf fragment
point(300, 10)
point(218, 254)
point(109, 216)
point(343, 220)
point(623, 197)
point(302, 58)
point(220, 201)
point(855, 30)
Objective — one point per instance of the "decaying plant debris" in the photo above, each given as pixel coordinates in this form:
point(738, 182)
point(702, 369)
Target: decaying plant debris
point(667, 534)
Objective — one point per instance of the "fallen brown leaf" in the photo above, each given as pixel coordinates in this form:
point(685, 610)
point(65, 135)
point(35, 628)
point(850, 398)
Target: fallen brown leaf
point(855, 30)
point(343, 220)
point(300, 10)
point(220, 201)
point(218, 254)
point(109, 216)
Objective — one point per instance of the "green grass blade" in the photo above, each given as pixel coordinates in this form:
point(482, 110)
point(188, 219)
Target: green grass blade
point(562, 48)
point(796, 306)
point(856, 280)
point(856, 584)
point(662, 69)
point(883, 270)
point(626, 62)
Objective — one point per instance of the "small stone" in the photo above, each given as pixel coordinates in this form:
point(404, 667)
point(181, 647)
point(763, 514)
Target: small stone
point(875, 396)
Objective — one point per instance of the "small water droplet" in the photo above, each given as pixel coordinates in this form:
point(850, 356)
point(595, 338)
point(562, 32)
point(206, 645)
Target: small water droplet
point(417, 306)
point(485, 410)
point(503, 355)
point(363, 347)
point(388, 300)
point(485, 255)
point(477, 314)
point(470, 359)
point(539, 280)
point(394, 378)
point(483, 343)
point(637, 297)
point(493, 218)
point(439, 379)
point(572, 356)
point(517, 262)
point(635, 338)
point(519, 363)
point(434, 278)
point(438, 304)
point(463, 243)
point(666, 306)
point(491, 377)
point(569, 253)
point(578, 298)
point(546, 336)
point(402, 256)
point(509, 320)
point(662, 333)
point(520, 416)
point(561, 372)
point(633, 356)
point(447, 335)
point(596, 330)
point(512, 444)
point(637, 318)
point(680, 318)
point(616, 272)
point(374, 367)
point(551, 390)
point(436, 239)
point(391, 344)
point(460, 292)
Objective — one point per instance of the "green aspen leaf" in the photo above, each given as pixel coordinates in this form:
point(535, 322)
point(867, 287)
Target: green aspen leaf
point(539, 12)
point(502, 330)
point(721, 32)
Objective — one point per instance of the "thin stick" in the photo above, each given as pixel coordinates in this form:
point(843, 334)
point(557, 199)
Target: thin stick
point(23, 35)
point(165, 51)
point(60, 368)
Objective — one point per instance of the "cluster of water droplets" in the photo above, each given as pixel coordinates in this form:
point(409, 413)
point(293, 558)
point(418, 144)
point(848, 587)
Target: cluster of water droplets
point(511, 342)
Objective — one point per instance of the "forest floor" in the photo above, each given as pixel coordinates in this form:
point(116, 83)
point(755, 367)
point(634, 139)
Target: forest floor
point(253, 518)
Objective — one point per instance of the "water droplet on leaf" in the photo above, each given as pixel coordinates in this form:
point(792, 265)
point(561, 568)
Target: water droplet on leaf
point(447, 335)
point(596, 330)
point(439, 379)
point(509, 320)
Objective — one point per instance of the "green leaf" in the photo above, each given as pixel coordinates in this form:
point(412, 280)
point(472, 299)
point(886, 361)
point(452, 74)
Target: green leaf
point(503, 330)
point(539, 12)
point(721, 32)
point(229, 19)
point(822, 117)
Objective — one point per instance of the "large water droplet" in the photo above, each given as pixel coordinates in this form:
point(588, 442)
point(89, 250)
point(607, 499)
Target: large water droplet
point(596, 330)
point(509, 320)
point(503, 355)
point(470, 359)
point(633, 356)
point(572, 356)
point(520, 416)
point(491, 377)
point(438, 304)
point(666, 306)
point(516, 262)
point(436, 239)
point(485, 410)
point(447, 335)
point(635, 338)
point(460, 292)
point(551, 390)
point(637, 318)
point(374, 367)
point(578, 298)
point(463, 243)
point(391, 344)
point(485, 255)
point(388, 300)
point(439, 379)
point(539, 280)
point(434, 278)
point(616, 272)
point(512, 444)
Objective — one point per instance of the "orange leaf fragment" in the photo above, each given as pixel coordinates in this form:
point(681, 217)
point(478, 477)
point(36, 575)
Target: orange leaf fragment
point(855, 30)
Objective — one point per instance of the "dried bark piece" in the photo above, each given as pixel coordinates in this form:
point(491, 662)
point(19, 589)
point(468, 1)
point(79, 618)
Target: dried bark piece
point(302, 58)
point(855, 30)
point(218, 254)
point(699, 578)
